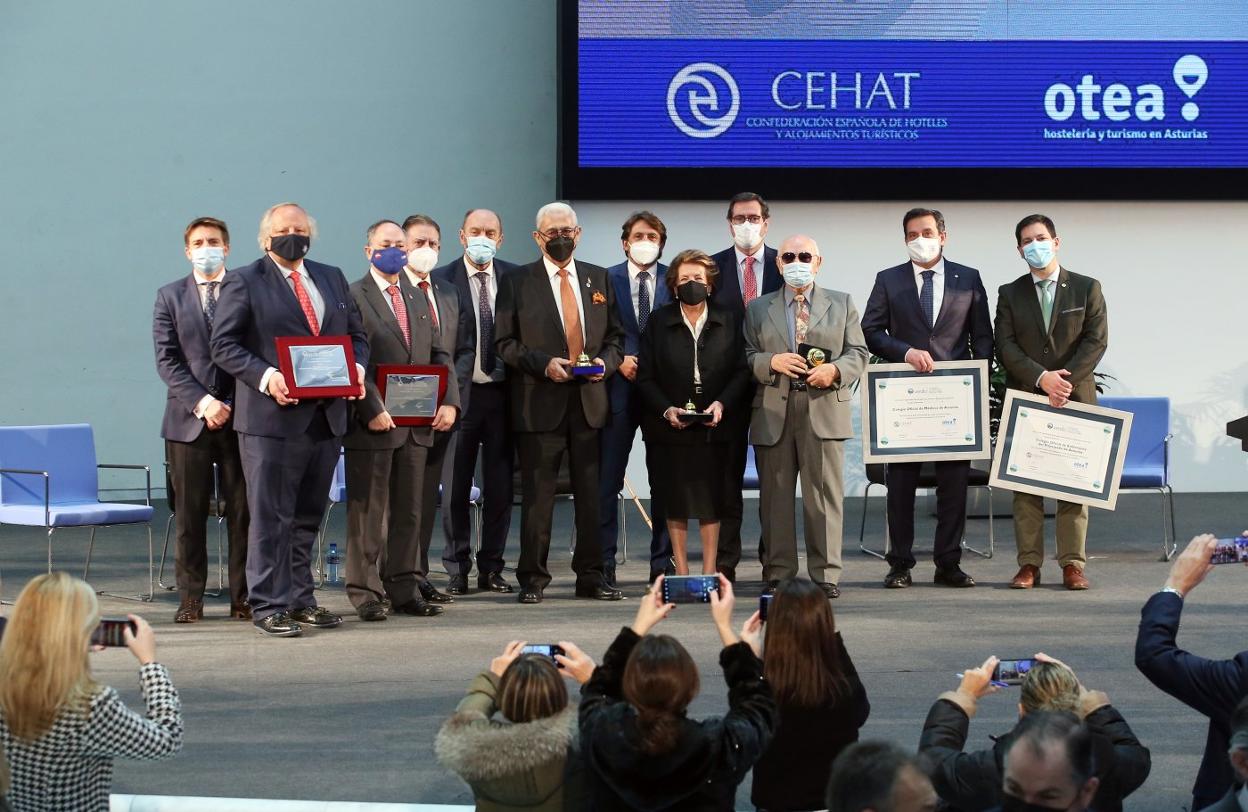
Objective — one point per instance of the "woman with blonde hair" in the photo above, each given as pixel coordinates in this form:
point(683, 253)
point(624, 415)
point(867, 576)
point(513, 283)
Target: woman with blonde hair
point(59, 728)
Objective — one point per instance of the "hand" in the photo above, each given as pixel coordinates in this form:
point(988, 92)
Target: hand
point(600, 375)
point(279, 391)
point(143, 644)
point(499, 664)
point(628, 367)
point(360, 393)
point(722, 602)
point(652, 609)
point(823, 376)
point(717, 413)
point(1058, 401)
point(672, 416)
point(977, 682)
point(1054, 382)
point(216, 415)
point(557, 370)
point(576, 664)
point(1193, 564)
point(921, 360)
point(444, 420)
point(382, 422)
point(788, 363)
point(752, 633)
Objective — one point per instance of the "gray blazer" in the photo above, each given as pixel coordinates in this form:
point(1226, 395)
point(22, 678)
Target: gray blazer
point(834, 326)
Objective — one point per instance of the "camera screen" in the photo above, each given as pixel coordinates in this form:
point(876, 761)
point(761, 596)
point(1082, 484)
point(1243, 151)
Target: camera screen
point(1231, 551)
point(1013, 671)
point(764, 601)
point(689, 588)
point(110, 632)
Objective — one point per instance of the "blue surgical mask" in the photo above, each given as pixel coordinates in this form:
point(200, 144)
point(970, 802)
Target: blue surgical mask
point(1038, 253)
point(798, 274)
point(389, 260)
point(481, 250)
point(208, 259)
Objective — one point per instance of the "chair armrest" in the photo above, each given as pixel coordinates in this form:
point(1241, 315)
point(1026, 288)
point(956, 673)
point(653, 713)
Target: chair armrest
point(47, 489)
point(147, 469)
point(1165, 456)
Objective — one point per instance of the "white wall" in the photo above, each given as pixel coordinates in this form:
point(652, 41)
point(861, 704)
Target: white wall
point(1174, 276)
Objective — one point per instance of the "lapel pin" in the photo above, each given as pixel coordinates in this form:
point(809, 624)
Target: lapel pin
point(1063, 284)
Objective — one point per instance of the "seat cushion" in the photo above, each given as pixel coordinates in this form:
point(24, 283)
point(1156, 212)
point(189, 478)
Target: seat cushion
point(77, 514)
point(1142, 477)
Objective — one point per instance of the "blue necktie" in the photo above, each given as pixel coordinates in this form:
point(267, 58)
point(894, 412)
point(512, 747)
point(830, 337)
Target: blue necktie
point(927, 299)
point(486, 332)
point(643, 300)
point(210, 303)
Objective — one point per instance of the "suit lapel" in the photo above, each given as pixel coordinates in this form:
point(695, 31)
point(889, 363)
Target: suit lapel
point(1031, 302)
point(283, 292)
point(547, 295)
point(194, 307)
point(778, 318)
point(377, 300)
point(661, 294)
point(1061, 297)
point(818, 311)
point(952, 283)
point(624, 292)
point(586, 283)
point(905, 278)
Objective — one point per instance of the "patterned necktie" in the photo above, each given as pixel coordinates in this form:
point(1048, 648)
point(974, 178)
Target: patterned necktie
point(400, 313)
point(571, 317)
point(210, 303)
point(305, 303)
point(643, 300)
point(927, 299)
point(801, 320)
point(485, 342)
point(1046, 300)
point(433, 313)
point(751, 281)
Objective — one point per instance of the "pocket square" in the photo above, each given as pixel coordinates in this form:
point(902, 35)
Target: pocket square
point(598, 297)
point(1071, 310)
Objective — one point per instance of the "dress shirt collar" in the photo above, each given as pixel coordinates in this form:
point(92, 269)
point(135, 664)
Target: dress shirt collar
point(1037, 278)
point(697, 326)
point(286, 272)
point(939, 268)
point(790, 295)
point(416, 278)
point(552, 269)
point(473, 270)
point(200, 279)
point(634, 270)
point(381, 280)
point(759, 256)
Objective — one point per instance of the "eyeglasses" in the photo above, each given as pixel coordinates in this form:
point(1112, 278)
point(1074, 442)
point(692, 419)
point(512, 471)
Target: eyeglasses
point(789, 256)
point(741, 219)
point(568, 231)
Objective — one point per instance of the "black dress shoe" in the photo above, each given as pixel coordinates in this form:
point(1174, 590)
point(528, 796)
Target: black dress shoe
point(898, 578)
point(954, 577)
point(730, 573)
point(431, 594)
point(418, 607)
point(831, 590)
point(608, 573)
point(600, 592)
point(495, 582)
point(240, 611)
point(458, 585)
point(530, 596)
point(278, 625)
point(190, 612)
point(316, 617)
point(371, 611)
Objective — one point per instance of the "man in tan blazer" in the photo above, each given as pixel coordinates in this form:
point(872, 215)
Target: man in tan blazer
point(801, 412)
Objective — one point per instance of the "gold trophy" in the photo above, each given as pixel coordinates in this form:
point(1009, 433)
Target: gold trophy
point(585, 366)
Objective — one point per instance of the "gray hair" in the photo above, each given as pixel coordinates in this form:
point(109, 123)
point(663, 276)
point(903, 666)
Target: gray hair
point(266, 220)
point(552, 209)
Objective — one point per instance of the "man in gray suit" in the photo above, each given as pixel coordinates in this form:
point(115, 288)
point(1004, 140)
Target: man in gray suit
point(386, 463)
point(801, 414)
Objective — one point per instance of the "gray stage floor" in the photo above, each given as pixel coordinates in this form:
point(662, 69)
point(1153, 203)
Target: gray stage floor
point(350, 714)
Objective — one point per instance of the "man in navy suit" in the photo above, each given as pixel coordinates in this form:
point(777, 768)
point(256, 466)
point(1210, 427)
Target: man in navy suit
point(746, 271)
point(485, 424)
point(640, 287)
point(197, 428)
point(1212, 688)
point(927, 310)
point(289, 447)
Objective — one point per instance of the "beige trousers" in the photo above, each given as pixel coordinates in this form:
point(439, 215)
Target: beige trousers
point(1072, 531)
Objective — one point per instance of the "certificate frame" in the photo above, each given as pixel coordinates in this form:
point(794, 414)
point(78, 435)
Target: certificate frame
point(1107, 475)
point(286, 365)
point(875, 444)
point(384, 371)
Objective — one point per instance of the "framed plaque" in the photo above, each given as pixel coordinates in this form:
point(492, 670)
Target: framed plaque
point(318, 366)
point(1074, 453)
point(910, 416)
point(412, 394)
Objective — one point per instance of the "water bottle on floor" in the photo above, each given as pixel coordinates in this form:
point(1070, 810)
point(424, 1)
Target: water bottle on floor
point(333, 565)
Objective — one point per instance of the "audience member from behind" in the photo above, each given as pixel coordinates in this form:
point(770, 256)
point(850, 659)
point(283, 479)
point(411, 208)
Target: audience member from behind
point(972, 781)
point(641, 750)
point(822, 702)
point(878, 776)
point(1050, 765)
point(60, 729)
point(528, 759)
point(1236, 798)
point(1210, 687)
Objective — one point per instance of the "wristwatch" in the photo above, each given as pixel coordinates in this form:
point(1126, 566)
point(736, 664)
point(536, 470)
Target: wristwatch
point(1171, 590)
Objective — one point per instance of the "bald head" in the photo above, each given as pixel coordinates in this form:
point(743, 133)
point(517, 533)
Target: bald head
point(798, 253)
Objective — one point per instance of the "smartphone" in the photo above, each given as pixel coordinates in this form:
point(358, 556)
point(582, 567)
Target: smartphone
point(109, 632)
point(763, 602)
point(1231, 551)
point(689, 588)
point(1011, 672)
point(548, 650)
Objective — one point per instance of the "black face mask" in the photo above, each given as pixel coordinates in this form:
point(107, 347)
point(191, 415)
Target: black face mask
point(692, 293)
point(1011, 803)
point(290, 247)
point(560, 248)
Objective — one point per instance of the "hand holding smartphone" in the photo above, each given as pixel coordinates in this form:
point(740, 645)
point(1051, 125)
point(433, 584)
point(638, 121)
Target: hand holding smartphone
point(1231, 551)
point(547, 650)
point(1011, 672)
point(689, 588)
point(111, 632)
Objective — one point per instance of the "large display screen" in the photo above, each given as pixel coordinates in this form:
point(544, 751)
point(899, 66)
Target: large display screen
point(1003, 96)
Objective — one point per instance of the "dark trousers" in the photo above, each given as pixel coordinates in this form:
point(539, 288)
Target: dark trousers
point(541, 454)
point(384, 505)
point(287, 491)
point(729, 555)
point(902, 478)
point(486, 424)
point(617, 442)
point(191, 477)
point(435, 467)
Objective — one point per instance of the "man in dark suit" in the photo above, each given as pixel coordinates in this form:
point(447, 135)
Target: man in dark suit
point(746, 271)
point(1236, 798)
point(289, 447)
point(1051, 333)
point(197, 428)
point(387, 466)
point(551, 313)
point(927, 310)
point(451, 315)
point(639, 287)
point(1212, 688)
point(485, 424)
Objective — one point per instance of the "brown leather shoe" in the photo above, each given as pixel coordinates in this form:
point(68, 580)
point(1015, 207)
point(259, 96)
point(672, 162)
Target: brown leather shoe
point(1072, 577)
point(240, 611)
point(190, 612)
point(1027, 577)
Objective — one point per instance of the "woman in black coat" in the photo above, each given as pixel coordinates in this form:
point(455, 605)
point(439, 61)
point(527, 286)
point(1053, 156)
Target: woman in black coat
point(693, 354)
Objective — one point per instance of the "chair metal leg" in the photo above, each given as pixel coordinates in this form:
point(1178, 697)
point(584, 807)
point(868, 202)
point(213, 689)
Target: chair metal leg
point(1168, 547)
point(318, 569)
point(991, 540)
point(86, 573)
point(51, 530)
point(220, 563)
point(151, 567)
point(862, 529)
point(164, 553)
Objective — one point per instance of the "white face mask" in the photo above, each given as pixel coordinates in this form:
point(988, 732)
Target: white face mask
point(747, 235)
point(208, 259)
point(422, 260)
point(643, 252)
point(923, 249)
point(798, 275)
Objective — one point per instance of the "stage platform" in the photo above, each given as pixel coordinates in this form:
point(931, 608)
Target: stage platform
point(350, 714)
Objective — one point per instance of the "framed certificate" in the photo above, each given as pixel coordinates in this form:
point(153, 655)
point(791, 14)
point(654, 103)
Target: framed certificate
point(318, 366)
point(910, 416)
point(412, 394)
point(1074, 453)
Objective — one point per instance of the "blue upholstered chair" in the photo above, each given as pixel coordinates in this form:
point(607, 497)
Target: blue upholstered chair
point(750, 482)
point(1147, 466)
point(49, 478)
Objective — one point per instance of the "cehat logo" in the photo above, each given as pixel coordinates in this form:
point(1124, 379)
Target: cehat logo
point(703, 98)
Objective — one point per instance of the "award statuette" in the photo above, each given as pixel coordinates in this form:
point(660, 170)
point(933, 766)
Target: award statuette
point(318, 366)
point(692, 415)
point(412, 394)
point(584, 366)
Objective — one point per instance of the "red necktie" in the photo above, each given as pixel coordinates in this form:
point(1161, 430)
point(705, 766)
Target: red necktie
point(751, 281)
point(305, 302)
point(400, 313)
point(433, 313)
